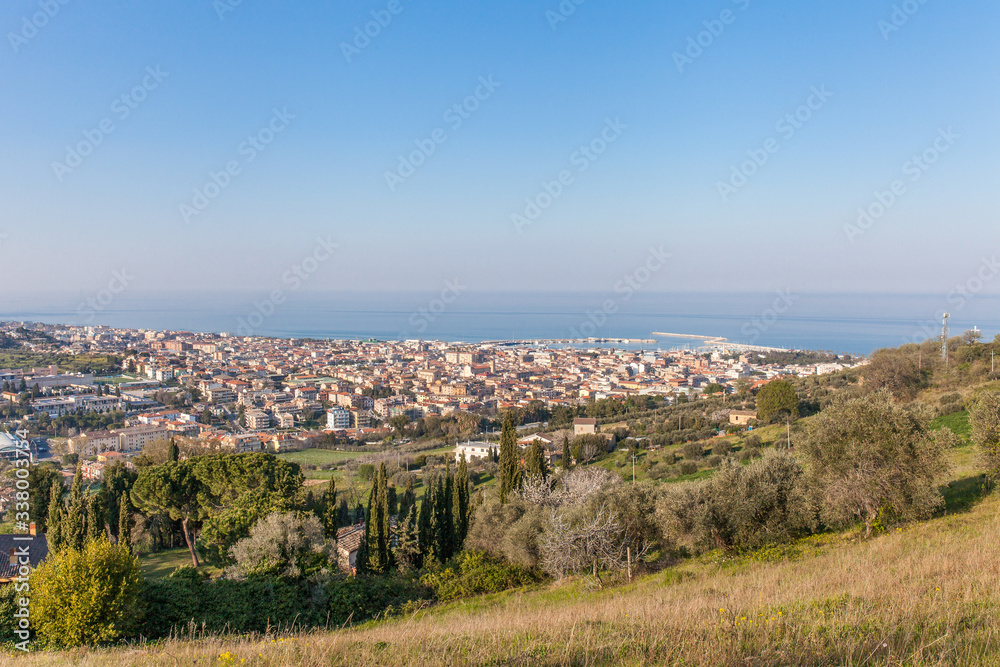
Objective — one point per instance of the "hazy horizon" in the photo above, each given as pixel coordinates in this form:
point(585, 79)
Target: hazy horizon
point(216, 146)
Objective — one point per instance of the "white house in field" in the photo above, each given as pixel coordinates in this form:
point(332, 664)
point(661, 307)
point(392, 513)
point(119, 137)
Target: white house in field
point(471, 450)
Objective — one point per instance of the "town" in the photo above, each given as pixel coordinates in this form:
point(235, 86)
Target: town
point(242, 394)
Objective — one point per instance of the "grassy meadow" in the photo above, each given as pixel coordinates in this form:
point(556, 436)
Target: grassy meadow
point(924, 594)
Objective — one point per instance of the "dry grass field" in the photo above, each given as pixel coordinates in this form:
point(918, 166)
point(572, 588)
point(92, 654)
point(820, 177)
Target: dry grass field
point(927, 594)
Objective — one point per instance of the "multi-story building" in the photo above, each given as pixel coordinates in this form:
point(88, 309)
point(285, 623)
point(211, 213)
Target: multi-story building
point(131, 440)
point(258, 419)
point(239, 443)
point(383, 406)
point(361, 418)
point(92, 443)
point(218, 394)
point(92, 470)
point(61, 405)
point(338, 418)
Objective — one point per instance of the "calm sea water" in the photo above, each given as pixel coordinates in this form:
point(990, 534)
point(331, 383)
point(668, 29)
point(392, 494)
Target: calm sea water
point(837, 322)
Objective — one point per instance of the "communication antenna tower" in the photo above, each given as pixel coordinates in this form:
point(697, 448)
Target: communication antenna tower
point(944, 338)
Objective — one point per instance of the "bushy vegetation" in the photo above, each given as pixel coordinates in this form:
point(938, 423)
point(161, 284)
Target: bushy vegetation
point(740, 507)
point(865, 451)
point(475, 573)
point(88, 596)
point(259, 604)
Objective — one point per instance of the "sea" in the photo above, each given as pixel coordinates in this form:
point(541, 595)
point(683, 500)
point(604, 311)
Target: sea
point(842, 323)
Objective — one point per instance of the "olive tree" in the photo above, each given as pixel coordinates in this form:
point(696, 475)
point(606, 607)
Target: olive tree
point(282, 544)
point(872, 461)
point(740, 507)
point(984, 416)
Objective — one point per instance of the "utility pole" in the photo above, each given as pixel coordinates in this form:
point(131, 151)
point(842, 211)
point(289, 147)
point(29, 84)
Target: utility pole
point(633, 468)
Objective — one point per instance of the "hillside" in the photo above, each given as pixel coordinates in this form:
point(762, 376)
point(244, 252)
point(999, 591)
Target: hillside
point(726, 582)
point(926, 594)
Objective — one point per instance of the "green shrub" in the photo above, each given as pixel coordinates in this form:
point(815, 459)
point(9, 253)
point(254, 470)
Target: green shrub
point(187, 599)
point(476, 573)
point(85, 597)
point(8, 605)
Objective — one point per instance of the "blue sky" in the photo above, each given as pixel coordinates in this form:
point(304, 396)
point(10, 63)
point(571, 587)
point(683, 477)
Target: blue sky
point(555, 88)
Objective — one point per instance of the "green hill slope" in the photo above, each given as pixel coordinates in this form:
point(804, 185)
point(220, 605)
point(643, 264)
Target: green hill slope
point(927, 594)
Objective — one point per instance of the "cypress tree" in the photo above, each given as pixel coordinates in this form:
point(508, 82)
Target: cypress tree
point(461, 506)
point(407, 500)
point(449, 512)
point(385, 522)
point(344, 515)
point(125, 521)
point(408, 550)
point(566, 462)
point(508, 472)
point(96, 514)
point(425, 525)
point(74, 528)
point(377, 529)
point(443, 525)
point(54, 531)
point(331, 517)
point(535, 461)
point(393, 501)
point(173, 452)
point(76, 489)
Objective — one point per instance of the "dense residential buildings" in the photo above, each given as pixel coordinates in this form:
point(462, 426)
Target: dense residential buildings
point(283, 388)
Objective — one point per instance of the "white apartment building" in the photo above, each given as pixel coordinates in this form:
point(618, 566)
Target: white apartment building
point(338, 418)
